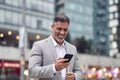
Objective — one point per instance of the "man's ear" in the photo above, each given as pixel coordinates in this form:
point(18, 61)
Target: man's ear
point(52, 25)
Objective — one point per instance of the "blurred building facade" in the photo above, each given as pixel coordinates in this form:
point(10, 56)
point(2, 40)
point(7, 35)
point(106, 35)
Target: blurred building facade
point(14, 14)
point(81, 17)
point(35, 19)
point(101, 27)
point(114, 25)
point(37, 16)
point(89, 19)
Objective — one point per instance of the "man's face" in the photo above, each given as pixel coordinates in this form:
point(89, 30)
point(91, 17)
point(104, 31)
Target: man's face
point(60, 30)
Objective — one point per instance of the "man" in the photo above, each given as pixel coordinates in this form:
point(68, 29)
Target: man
point(46, 61)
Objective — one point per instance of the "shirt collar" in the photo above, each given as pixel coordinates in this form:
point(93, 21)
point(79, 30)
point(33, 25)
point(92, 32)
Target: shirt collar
point(55, 43)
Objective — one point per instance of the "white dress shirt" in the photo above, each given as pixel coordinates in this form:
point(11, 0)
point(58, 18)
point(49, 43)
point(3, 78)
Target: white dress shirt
point(61, 51)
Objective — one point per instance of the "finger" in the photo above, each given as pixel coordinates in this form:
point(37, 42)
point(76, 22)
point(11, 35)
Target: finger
point(60, 58)
point(64, 60)
point(70, 73)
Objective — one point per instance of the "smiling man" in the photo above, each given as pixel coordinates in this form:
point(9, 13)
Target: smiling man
point(47, 56)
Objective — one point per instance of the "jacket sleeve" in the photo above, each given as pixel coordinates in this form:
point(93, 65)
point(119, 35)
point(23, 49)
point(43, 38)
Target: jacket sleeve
point(36, 70)
point(77, 70)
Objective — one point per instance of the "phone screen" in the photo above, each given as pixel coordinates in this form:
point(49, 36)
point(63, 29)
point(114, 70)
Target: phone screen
point(68, 56)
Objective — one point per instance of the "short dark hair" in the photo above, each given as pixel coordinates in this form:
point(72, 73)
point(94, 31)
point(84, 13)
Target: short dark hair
point(62, 18)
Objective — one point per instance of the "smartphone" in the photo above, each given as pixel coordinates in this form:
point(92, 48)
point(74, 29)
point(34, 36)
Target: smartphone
point(68, 56)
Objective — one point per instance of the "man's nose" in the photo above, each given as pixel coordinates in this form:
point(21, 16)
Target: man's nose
point(62, 32)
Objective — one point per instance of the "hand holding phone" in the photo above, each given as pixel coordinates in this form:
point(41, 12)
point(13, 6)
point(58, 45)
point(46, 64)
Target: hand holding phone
point(68, 56)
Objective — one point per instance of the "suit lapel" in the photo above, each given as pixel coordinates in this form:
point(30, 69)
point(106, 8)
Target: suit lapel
point(68, 51)
point(67, 48)
point(52, 48)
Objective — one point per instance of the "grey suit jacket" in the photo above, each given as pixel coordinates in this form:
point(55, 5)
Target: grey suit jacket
point(43, 56)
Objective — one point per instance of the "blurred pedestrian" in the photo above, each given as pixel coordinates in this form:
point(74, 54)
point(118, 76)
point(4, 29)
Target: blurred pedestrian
point(12, 76)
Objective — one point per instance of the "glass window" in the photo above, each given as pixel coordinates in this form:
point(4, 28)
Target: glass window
point(15, 2)
point(111, 16)
point(49, 0)
point(28, 4)
point(20, 19)
point(15, 19)
point(8, 17)
point(46, 26)
point(114, 22)
point(88, 28)
point(39, 7)
point(2, 1)
point(20, 3)
point(116, 15)
point(81, 9)
point(2, 19)
point(116, 1)
point(8, 2)
point(34, 5)
point(70, 6)
point(89, 3)
point(88, 10)
point(113, 8)
point(110, 2)
point(47, 6)
point(50, 8)
point(39, 24)
point(28, 21)
point(75, 27)
point(33, 22)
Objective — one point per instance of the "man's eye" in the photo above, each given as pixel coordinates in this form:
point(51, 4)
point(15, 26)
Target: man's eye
point(60, 29)
point(65, 30)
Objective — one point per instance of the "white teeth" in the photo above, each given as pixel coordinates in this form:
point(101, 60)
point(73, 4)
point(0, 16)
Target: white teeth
point(61, 36)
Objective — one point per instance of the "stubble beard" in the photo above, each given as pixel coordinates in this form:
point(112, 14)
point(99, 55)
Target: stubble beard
point(60, 40)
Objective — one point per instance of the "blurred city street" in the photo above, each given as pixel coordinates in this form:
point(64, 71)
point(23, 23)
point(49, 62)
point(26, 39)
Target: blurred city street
point(94, 30)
